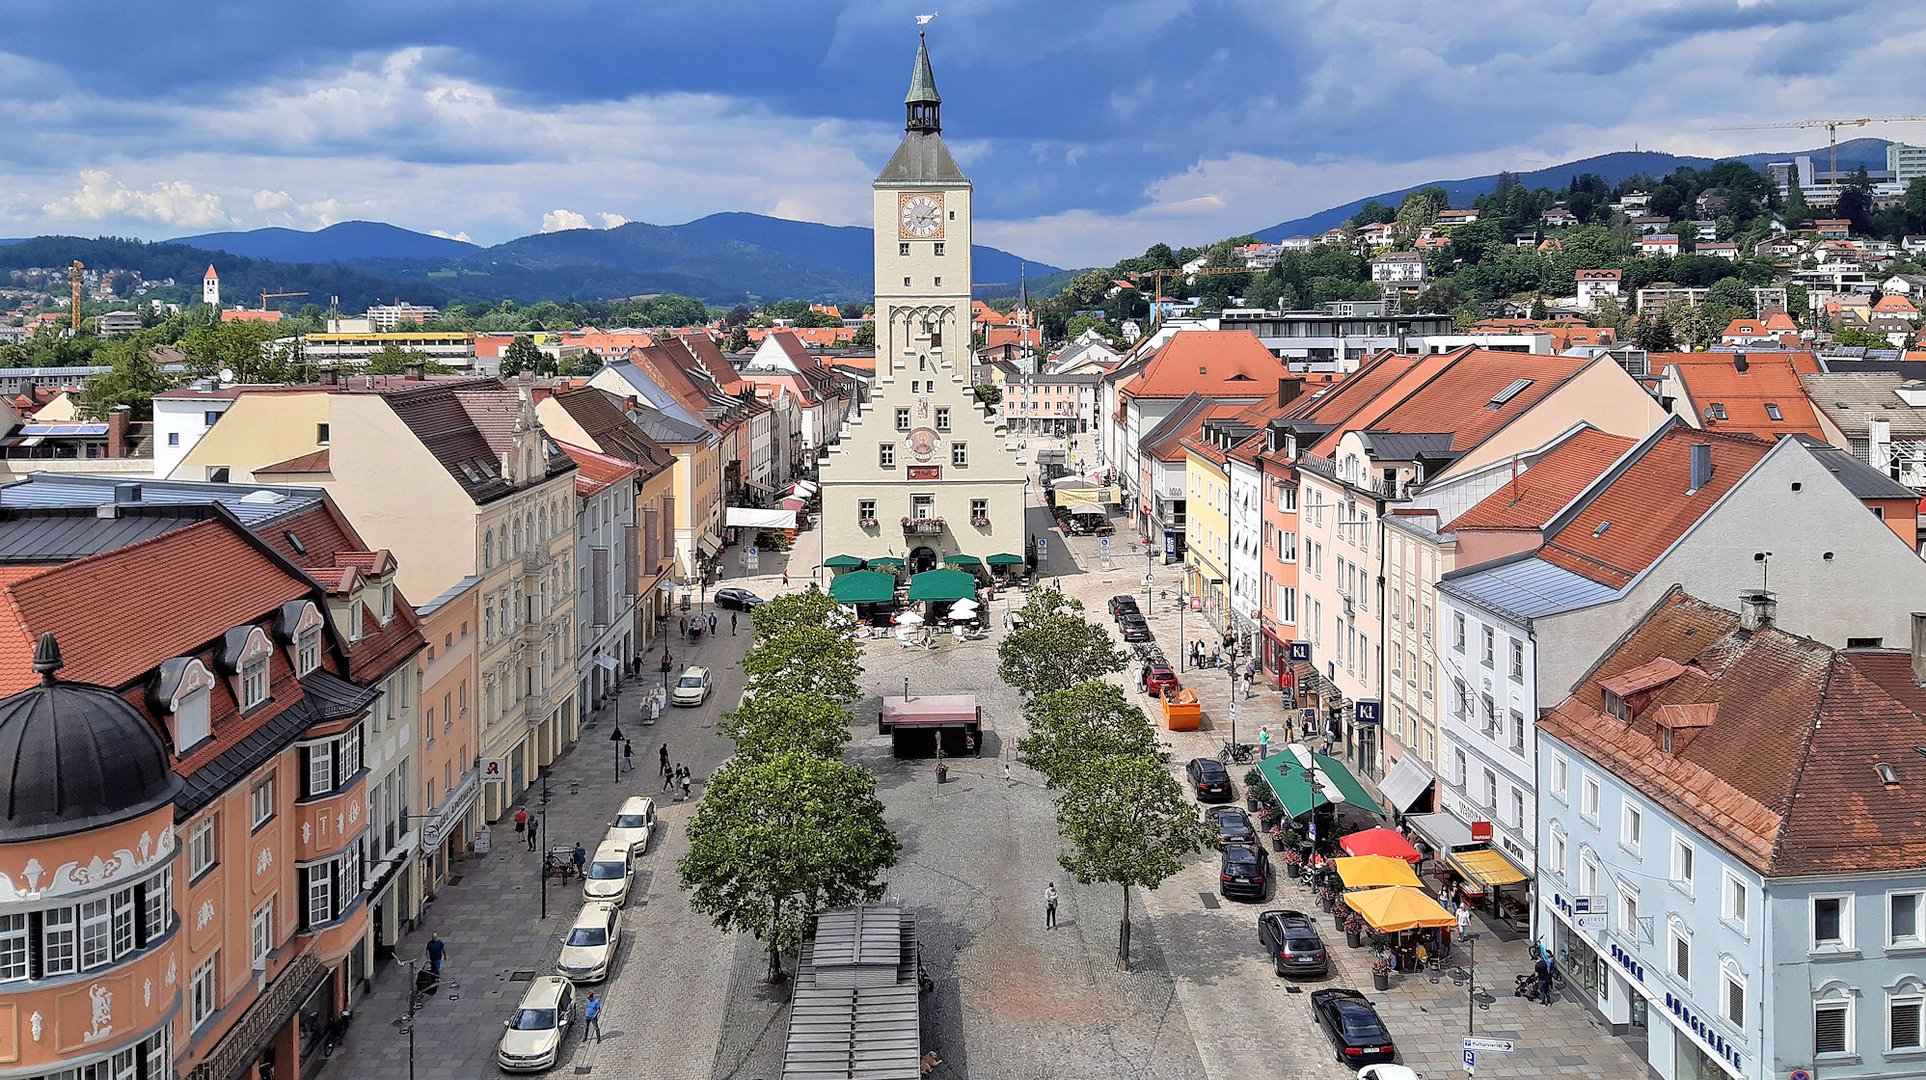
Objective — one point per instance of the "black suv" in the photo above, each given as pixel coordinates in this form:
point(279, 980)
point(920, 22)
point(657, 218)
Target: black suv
point(1233, 826)
point(1209, 779)
point(1121, 605)
point(1292, 942)
point(1134, 627)
point(1244, 871)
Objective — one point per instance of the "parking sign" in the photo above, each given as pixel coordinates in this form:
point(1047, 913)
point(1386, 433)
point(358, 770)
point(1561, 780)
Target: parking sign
point(1471, 1061)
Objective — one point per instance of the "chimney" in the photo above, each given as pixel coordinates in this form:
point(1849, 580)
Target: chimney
point(1701, 467)
point(1919, 647)
point(1758, 608)
point(1287, 390)
point(117, 431)
point(414, 370)
point(1740, 364)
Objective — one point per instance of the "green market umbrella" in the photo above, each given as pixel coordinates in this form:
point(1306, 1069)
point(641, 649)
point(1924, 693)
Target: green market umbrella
point(962, 560)
point(1005, 559)
point(885, 562)
point(942, 585)
point(842, 562)
point(863, 587)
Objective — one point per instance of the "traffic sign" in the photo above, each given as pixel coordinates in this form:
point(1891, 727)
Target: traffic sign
point(1494, 1046)
point(1103, 542)
point(1471, 1061)
point(1043, 547)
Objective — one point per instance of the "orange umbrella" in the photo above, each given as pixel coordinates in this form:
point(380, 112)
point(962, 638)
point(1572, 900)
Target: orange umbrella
point(1375, 871)
point(1398, 907)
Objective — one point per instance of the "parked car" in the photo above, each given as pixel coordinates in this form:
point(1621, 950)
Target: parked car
point(1134, 628)
point(692, 688)
point(1122, 604)
point(1386, 1071)
point(533, 1038)
point(1293, 943)
point(735, 599)
point(634, 824)
point(588, 952)
point(608, 875)
point(1244, 870)
point(1158, 678)
point(1233, 825)
point(1356, 1032)
point(1209, 779)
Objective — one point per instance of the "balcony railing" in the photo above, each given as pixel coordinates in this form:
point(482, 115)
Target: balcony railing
point(922, 526)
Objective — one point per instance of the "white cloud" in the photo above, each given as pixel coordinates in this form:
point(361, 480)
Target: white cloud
point(446, 235)
point(562, 221)
point(100, 197)
point(611, 221)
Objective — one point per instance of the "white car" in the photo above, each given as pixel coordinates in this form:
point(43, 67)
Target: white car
point(1388, 1072)
point(608, 877)
point(588, 952)
point(634, 824)
point(533, 1038)
point(692, 688)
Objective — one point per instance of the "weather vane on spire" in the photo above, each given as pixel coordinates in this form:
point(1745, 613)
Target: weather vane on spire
point(924, 20)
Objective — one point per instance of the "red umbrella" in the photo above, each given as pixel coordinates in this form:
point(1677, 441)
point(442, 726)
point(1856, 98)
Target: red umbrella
point(1380, 841)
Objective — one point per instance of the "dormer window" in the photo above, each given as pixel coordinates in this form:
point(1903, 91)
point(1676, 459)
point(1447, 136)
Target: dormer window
point(1616, 707)
point(254, 683)
point(387, 603)
point(307, 651)
point(187, 708)
point(354, 620)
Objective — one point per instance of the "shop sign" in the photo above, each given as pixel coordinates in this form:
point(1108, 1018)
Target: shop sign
point(1707, 1035)
point(925, 472)
point(1300, 652)
point(1369, 711)
point(1629, 962)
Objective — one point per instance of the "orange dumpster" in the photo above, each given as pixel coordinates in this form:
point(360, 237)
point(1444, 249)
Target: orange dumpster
point(1181, 711)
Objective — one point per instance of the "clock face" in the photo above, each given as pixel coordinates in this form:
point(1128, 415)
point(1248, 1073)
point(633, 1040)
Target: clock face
point(920, 216)
point(922, 443)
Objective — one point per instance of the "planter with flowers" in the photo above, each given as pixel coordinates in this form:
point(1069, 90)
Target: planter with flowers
point(867, 523)
point(1293, 859)
point(1381, 973)
point(1353, 930)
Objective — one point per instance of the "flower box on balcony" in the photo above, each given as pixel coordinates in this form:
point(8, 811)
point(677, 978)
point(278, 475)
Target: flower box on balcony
point(923, 526)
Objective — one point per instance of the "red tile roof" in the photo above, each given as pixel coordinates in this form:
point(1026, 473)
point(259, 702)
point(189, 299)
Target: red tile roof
point(333, 554)
point(1641, 509)
point(1767, 379)
point(595, 472)
point(315, 462)
point(1214, 363)
point(1777, 741)
point(1452, 393)
point(1548, 485)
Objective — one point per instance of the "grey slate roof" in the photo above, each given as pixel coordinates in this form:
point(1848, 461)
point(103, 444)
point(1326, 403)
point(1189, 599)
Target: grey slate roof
point(62, 534)
point(1402, 446)
point(254, 505)
point(923, 159)
point(1860, 478)
point(231, 766)
point(333, 697)
point(1849, 400)
point(1526, 588)
point(922, 79)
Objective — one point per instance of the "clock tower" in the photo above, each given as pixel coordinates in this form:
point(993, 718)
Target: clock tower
point(922, 218)
point(921, 474)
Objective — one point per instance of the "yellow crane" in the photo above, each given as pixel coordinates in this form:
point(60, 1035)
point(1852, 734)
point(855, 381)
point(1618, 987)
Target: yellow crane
point(266, 296)
point(73, 290)
point(1832, 133)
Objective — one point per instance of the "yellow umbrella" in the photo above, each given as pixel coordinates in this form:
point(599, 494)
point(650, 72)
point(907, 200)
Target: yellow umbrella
point(1375, 871)
point(1398, 907)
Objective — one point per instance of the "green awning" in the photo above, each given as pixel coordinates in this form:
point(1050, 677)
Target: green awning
point(1303, 790)
point(863, 587)
point(1005, 559)
point(962, 560)
point(885, 562)
point(942, 585)
point(842, 562)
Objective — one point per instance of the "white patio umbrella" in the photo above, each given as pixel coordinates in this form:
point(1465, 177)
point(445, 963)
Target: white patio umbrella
point(908, 618)
point(965, 604)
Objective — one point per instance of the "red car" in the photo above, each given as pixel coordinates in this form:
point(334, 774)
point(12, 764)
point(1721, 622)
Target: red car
point(1158, 679)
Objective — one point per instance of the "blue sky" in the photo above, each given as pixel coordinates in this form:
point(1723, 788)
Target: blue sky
point(1090, 129)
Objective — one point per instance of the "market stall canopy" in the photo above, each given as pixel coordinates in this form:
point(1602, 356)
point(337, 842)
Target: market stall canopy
point(863, 587)
point(1303, 781)
point(791, 502)
point(942, 585)
point(1485, 865)
point(930, 710)
point(1089, 511)
point(885, 562)
point(842, 562)
point(804, 488)
point(1375, 872)
point(1406, 783)
point(1443, 831)
point(749, 517)
point(1380, 841)
point(1005, 559)
point(964, 605)
point(1398, 907)
point(962, 560)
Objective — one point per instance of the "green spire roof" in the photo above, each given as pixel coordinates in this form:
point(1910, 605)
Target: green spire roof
point(922, 80)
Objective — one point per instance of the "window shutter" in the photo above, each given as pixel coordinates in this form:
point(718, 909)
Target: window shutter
point(1905, 1022)
point(1829, 1029)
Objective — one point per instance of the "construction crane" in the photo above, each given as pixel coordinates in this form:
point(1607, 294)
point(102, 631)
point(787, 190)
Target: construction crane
point(1157, 278)
point(73, 289)
point(1832, 133)
point(266, 296)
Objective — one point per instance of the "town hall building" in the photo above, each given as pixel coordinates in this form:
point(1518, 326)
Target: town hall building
point(922, 475)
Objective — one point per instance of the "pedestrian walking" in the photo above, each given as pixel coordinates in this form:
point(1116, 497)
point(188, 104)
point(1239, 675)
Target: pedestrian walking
point(1007, 779)
point(532, 823)
point(581, 858)
point(1263, 742)
point(1464, 917)
point(1546, 968)
point(665, 759)
point(785, 577)
point(436, 950)
point(592, 1013)
point(628, 755)
point(1050, 906)
point(682, 626)
point(732, 624)
point(668, 777)
point(687, 779)
point(521, 820)
point(712, 624)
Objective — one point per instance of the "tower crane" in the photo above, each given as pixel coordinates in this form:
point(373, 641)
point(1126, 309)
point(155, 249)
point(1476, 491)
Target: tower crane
point(1158, 277)
point(1832, 132)
point(266, 296)
point(73, 289)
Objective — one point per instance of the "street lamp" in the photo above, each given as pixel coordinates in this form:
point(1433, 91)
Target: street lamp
point(540, 827)
point(615, 737)
point(1471, 984)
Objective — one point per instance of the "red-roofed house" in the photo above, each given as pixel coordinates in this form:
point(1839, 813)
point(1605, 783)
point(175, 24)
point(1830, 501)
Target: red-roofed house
point(1227, 366)
point(1757, 393)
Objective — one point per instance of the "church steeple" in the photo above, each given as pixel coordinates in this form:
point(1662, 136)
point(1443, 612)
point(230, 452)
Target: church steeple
point(923, 104)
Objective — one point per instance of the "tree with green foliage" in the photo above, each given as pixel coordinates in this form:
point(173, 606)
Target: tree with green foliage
point(805, 660)
point(766, 724)
point(1072, 727)
point(1859, 337)
point(247, 349)
point(739, 340)
point(780, 837)
point(132, 379)
point(1056, 647)
point(1127, 822)
point(810, 608)
point(865, 336)
point(1654, 332)
point(392, 359)
point(523, 355)
point(989, 394)
point(1609, 312)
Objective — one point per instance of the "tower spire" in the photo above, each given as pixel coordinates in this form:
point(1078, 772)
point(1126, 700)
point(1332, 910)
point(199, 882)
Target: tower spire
point(923, 104)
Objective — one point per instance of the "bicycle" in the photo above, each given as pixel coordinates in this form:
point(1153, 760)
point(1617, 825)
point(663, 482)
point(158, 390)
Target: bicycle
point(1236, 753)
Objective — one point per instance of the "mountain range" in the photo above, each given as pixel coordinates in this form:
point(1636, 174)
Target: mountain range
point(1614, 167)
point(722, 258)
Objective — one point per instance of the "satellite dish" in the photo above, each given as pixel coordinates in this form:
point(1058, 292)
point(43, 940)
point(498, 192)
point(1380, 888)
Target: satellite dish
point(227, 375)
